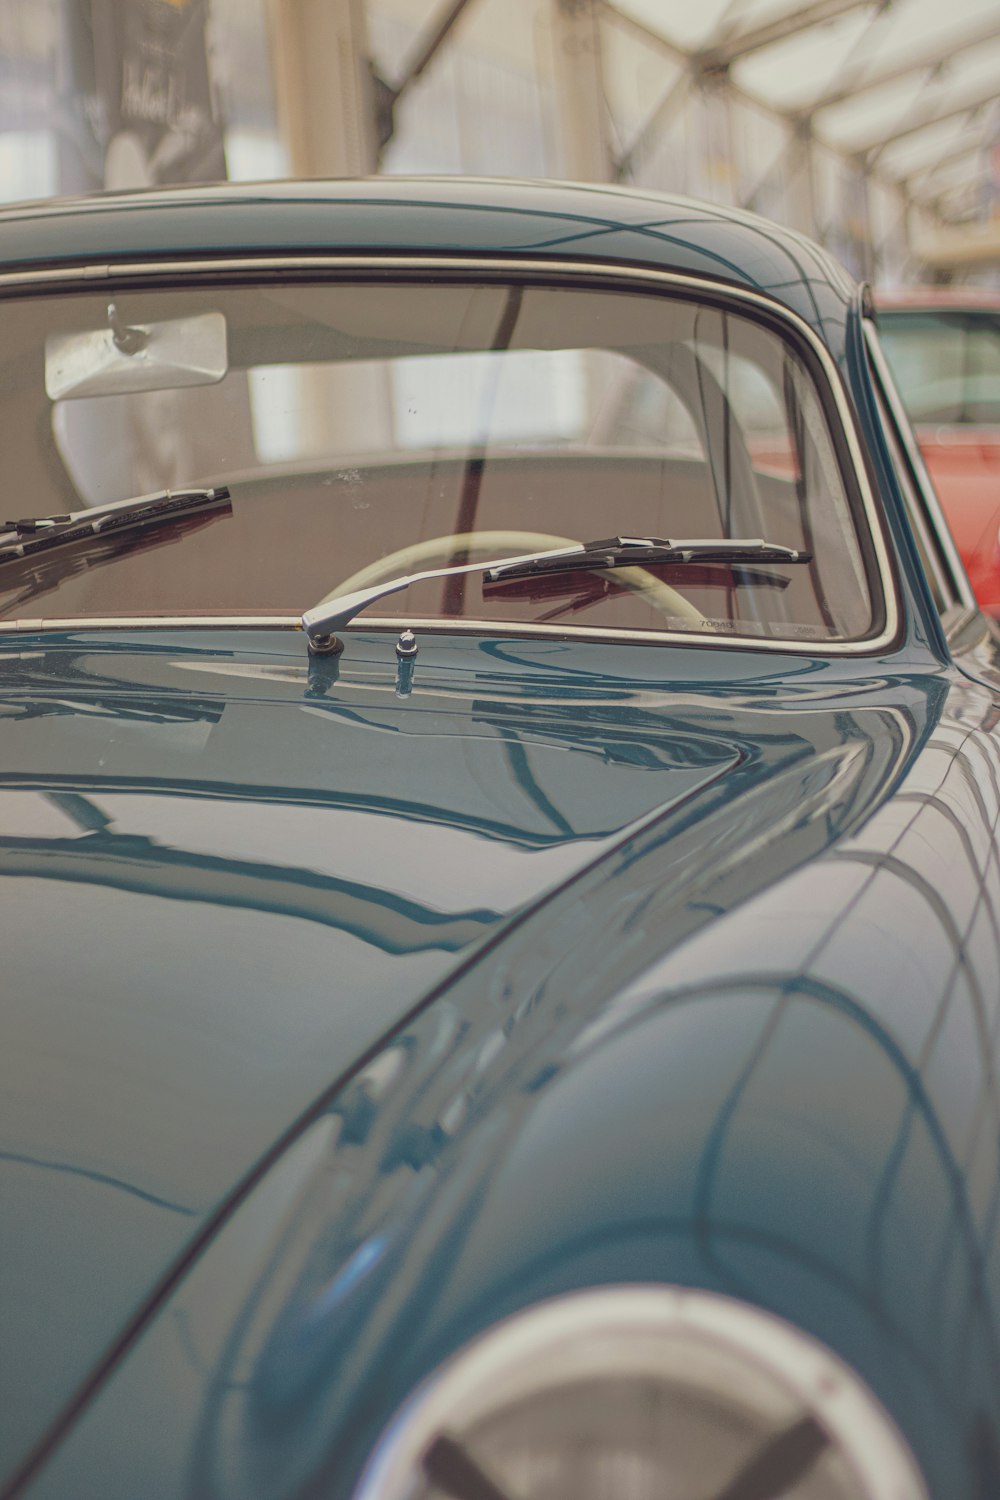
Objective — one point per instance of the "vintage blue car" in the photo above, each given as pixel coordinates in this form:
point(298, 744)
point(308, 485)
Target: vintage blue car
point(499, 778)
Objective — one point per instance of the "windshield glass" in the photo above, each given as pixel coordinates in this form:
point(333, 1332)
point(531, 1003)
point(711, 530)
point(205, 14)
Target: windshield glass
point(946, 364)
point(371, 430)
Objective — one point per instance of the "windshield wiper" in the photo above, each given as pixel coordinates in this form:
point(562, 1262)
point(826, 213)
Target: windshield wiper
point(320, 622)
point(19, 539)
point(630, 551)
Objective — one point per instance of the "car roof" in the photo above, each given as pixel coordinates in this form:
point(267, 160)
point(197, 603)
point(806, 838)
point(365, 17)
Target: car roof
point(386, 215)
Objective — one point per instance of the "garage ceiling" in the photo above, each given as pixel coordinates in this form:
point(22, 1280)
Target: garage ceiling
point(910, 86)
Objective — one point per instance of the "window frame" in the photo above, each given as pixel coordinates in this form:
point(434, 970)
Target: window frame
point(784, 322)
point(947, 575)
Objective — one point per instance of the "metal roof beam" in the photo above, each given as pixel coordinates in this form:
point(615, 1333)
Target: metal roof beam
point(669, 103)
point(689, 63)
point(388, 95)
point(644, 33)
point(935, 192)
point(427, 47)
point(719, 55)
point(917, 175)
point(796, 120)
point(944, 48)
point(872, 150)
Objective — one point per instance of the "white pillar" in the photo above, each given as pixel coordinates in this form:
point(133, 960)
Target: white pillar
point(324, 89)
point(718, 156)
point(326, 113)
point(800, 206)
point(581, 107)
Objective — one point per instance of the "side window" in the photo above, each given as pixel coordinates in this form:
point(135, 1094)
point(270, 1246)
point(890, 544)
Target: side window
point(938, 554)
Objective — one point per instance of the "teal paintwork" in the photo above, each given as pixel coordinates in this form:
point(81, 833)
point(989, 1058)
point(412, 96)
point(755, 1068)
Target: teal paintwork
point(222, 883)
point(340, 1020)
point(437, 216)
point(726, 981)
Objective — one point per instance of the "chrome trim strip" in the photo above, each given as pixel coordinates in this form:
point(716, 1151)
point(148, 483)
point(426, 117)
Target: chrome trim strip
point(942, 534)
point(148, 622)
point(434, 625)
point(471, 265)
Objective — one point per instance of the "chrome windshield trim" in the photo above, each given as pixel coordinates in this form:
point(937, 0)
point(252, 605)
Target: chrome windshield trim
point(237, 267)
point(436, 625)
point(149, 622)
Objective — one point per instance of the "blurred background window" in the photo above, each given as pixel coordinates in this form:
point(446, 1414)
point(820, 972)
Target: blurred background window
point(947, 365)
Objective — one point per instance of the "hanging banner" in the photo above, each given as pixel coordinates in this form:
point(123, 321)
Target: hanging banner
point(137, 86)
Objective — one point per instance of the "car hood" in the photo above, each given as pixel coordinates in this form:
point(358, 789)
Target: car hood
point(228, 876)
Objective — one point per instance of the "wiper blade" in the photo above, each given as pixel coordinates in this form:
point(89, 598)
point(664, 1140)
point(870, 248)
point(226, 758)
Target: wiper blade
point(633, 551)
point(320, 622)
point(19, 539)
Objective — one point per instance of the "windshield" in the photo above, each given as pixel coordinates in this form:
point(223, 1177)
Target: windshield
point(946, 364)
point(367, 431)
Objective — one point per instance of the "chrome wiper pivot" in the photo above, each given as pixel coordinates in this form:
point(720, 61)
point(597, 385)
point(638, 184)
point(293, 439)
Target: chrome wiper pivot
point(320, 622)
point(323, 621)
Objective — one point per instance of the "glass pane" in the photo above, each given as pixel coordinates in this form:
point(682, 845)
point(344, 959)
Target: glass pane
point(369, 430)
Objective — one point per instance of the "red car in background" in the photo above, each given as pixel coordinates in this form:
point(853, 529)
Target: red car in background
point(944, 349)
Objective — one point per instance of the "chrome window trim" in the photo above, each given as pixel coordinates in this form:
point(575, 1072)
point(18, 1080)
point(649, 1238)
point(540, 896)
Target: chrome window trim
point(933, 560)
point(83, 276)
point(146, 622)
point(431, 624)
point(939, 528)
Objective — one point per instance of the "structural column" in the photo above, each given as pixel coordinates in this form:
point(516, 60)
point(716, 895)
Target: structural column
point(801, 208)
point(324, 87)
point(581, 107)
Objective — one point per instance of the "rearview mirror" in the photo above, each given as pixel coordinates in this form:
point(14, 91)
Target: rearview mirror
point(120, 359)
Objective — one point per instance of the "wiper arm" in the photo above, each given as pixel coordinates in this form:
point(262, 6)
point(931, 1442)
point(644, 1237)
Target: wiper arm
point(19, 539)
point(322, 621)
